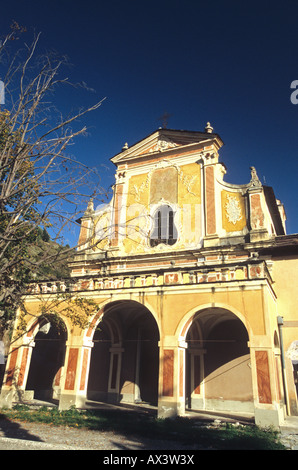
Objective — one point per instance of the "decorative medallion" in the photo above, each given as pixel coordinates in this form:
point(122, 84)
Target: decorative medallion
point(163, 144)
point(233, 209)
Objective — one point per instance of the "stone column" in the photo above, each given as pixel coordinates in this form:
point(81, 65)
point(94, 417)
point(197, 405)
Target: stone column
point(196, 371)
point(268, 408)
point(171, 402)
point(137, 391)
point(25, 360)
point(9, 381)
point(15, 377)
point(75, 377)
point(114, 373)
point(181, 399)
point(84, 369)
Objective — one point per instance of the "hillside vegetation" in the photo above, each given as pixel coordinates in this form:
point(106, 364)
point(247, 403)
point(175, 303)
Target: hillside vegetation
point(55, 265)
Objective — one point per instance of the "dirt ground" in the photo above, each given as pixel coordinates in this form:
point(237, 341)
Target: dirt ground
point(17, 435)
point(68, 438)
point(44, 436)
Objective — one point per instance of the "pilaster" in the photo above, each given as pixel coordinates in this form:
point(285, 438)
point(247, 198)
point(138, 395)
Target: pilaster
point(211, 235)
point(75, 379)
point(171, 402)
point(269, 410)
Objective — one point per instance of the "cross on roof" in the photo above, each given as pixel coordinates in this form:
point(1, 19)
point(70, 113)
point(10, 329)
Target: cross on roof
point(164, 119)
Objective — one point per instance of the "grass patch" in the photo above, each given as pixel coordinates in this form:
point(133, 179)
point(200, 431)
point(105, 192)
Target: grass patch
point(223, 436)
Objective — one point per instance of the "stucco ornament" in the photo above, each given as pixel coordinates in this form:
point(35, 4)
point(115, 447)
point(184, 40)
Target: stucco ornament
point(233, 209)
point(163, 144)
point(255, 182)
point(292, 352)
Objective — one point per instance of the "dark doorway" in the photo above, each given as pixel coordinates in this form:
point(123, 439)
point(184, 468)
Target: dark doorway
point(99, 364)
point(125, 357)
point(47, 358)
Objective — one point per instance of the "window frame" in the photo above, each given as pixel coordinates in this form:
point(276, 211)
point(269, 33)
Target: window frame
point(164, 230)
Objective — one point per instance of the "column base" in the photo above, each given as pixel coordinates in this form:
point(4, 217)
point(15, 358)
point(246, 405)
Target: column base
point(68, 401)
point(266, 417)
point(211, 240)
point(170, 409)
point(257, 235)
point(6, 398)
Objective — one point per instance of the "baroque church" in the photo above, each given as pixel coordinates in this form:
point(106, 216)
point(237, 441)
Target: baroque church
point(193, 284)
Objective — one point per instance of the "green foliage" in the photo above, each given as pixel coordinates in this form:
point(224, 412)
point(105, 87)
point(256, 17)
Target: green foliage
point(45, 236)
point(30, 266)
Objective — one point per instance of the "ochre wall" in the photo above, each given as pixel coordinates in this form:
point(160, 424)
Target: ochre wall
point(178, 186)
point(285, 275)
point(173, 307)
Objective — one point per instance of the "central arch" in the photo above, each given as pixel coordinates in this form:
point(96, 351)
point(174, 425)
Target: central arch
point(124, 364)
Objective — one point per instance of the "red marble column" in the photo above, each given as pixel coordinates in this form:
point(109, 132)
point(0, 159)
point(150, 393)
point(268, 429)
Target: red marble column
point(84, 370)
point(168, 373)
point(263, 377)
point(23, 366)
point(10, 371)
point(71, 369)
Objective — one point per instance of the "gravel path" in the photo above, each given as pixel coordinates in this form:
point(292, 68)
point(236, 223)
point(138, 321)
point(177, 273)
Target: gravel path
point(68, 438)
point(289, 433)
point(18, 435)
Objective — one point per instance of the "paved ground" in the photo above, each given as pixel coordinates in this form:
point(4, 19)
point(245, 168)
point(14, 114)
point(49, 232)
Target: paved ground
point(289, 433)
point(33, 436)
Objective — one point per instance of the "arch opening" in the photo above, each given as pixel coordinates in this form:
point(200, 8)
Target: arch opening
point(218, 370)
point(47, 359)
point(124, 364)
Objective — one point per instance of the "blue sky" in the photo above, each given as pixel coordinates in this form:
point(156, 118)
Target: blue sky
point(227, 62)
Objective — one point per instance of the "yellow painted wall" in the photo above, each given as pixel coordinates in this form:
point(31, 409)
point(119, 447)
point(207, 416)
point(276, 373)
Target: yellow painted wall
point(142, 191)
point(175, 309)
point(137, 209)
point(285, 275)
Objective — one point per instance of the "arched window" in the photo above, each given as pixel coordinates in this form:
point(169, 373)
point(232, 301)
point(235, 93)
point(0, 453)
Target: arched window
point(164, 230)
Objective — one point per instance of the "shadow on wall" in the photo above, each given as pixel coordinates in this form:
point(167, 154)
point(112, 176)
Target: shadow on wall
point(225, 365)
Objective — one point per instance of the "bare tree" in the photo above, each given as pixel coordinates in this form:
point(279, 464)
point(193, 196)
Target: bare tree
point(41, 185)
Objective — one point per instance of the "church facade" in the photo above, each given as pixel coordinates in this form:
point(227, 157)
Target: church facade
point(193, 281)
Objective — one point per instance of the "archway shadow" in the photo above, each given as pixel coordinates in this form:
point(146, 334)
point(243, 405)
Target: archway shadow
point(15, 430)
